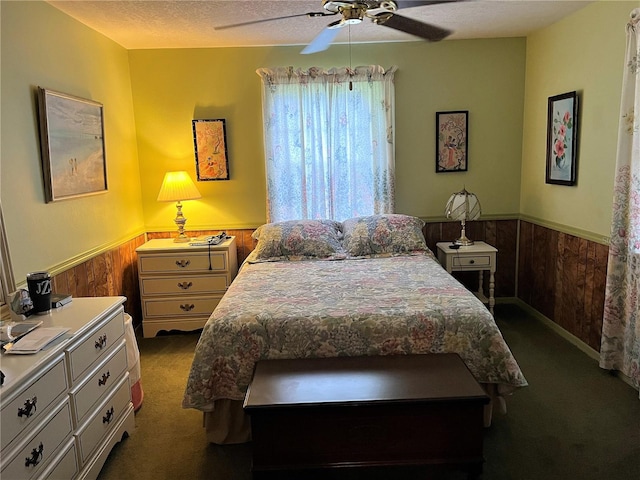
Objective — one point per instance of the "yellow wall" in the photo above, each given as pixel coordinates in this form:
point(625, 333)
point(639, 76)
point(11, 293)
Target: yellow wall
point(584, 52)
point(486, 77)
point(151, 96)
point(41, 46)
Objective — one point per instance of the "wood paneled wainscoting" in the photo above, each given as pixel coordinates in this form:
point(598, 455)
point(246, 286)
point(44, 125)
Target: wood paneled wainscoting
point(560, 275)
point(563, 277)
point(113, 272)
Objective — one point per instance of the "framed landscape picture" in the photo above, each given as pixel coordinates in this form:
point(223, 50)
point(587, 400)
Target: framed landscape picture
point(210, 141)
point(452, 131)
point(71, 145)
point(562, 138)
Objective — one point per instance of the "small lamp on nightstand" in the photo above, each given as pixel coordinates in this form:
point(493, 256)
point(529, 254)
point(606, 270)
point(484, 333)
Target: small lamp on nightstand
point(463, 206)
point(176, 187)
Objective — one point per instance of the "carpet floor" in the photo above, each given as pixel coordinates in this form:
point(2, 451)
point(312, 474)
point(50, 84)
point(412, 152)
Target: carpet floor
point(573, 421)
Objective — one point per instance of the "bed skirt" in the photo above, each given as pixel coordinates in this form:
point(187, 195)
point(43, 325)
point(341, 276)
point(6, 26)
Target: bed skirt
point(228, 423)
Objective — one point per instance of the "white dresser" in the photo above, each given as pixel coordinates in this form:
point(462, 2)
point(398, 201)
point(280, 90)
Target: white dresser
point(180, 284)
point(65, 407)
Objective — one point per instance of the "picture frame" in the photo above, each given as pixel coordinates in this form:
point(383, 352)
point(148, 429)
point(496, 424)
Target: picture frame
point(562, 139)
point(452, 137)
point(71, 145)
point(210, 143)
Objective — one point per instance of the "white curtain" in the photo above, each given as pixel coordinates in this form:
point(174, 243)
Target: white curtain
point(620, 348)
point(329, 142)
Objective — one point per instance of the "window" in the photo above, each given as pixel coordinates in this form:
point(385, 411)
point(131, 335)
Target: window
point(329, 142)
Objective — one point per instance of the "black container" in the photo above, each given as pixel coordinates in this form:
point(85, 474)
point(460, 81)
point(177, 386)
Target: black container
point(39, 285)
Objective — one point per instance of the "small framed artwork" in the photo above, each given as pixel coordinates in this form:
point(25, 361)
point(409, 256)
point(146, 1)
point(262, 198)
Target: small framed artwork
point(71, 145)
point(210, 141)
point(562, 138)
point(452, 130)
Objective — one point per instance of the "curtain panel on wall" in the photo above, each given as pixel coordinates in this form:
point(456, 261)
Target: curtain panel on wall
point(329, 142)
point(620, 348)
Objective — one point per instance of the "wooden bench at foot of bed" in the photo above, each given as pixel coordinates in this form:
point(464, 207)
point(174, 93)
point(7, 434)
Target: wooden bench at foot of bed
point(383, 411)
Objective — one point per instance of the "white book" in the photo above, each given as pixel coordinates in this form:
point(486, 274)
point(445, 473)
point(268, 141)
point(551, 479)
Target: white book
point(36, 340)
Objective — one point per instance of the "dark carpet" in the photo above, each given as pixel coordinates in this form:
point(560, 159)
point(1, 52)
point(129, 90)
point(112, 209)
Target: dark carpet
point(573, 421)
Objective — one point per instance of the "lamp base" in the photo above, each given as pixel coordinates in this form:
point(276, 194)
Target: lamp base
point(182, 238)
point(463, 242)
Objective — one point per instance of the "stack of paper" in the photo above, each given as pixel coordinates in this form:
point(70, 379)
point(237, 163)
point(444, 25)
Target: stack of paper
point(36, 340)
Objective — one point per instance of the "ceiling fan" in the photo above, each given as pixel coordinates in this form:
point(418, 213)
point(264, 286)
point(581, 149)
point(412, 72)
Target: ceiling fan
point(355, 11)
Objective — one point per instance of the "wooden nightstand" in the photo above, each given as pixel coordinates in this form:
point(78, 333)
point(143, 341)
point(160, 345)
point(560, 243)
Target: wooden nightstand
point(480, 256)
point(180, 284)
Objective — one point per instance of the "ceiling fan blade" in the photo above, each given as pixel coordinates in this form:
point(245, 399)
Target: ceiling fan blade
point(417, 3)
point(414, 27)
point(322, 41)
point(308, 14)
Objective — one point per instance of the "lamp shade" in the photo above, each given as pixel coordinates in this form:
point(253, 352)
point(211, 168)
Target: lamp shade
point(177, 186)
point(463, 206)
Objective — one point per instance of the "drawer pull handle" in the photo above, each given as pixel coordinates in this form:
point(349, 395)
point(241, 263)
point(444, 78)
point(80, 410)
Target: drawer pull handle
point(101, 342)
point(472, 261)
point(103, 381)
point(183, 263)
point(185, 285)
point(187, 307)
point(36, 456)
point(29, 407)
point(108, 416)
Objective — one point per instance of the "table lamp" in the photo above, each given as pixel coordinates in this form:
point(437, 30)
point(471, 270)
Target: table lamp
point(463, 206)
point(176, 187)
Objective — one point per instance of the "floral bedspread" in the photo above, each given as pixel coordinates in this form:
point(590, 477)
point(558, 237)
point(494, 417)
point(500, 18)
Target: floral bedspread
point(374, 306)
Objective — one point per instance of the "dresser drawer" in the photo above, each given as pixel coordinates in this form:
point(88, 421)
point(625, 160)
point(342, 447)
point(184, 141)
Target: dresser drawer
point(93, 346)
point(32, 403)
point(65, 466)
point(99, 383)
point(178, 285)
point(104, 417)
point(42, 447)
point(474, 261)
point(179, 307)
point(183, 262)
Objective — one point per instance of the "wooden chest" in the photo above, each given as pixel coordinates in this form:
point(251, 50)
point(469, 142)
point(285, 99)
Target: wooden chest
point(334, 413)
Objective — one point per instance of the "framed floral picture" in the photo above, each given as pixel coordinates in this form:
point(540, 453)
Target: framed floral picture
point(562, 139)
point(210, 141)
point(452, 131)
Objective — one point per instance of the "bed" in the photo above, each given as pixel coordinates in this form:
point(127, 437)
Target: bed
point(319, 288)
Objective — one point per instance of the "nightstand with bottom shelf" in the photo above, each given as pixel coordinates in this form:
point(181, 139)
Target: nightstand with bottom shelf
point(181, 284)
point(478, 257)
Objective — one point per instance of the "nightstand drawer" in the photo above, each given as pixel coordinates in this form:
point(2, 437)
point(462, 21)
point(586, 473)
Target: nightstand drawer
point(31, 404)
point(179, 307)
point(183, 262)
point(41, 448)
point(99, 383)
point(178, 285)
point(472, 261)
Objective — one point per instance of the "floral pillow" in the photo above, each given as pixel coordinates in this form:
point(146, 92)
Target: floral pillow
point(383, 235)
point(299, 240)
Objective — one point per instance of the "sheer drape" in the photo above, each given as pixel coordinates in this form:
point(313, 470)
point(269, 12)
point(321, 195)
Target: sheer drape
point(329, 142)
point(620, 348)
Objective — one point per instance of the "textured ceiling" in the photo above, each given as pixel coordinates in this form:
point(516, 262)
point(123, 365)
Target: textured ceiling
point(192, 24)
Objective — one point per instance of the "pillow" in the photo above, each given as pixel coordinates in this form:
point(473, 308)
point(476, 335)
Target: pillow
point(299, 240)
point(383, 235)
